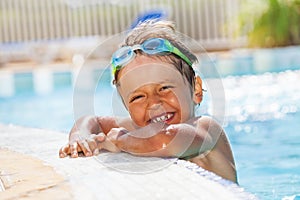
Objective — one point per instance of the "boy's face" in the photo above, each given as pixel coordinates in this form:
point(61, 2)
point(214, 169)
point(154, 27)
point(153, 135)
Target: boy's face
point(155, 91)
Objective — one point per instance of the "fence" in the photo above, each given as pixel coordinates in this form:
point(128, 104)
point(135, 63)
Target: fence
point(34, 20)
point(38, 29)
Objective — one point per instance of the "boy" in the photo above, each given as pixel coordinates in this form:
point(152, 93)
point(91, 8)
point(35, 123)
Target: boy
point(154, 76)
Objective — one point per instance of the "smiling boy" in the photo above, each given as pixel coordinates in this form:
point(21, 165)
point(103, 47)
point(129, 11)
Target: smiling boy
point(154, 76)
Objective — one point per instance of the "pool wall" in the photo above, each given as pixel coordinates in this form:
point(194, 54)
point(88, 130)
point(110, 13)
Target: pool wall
point(43, 80)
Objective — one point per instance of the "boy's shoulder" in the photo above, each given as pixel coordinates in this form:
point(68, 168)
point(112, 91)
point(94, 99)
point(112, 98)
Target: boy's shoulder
point(205, 119)
point(207, 122)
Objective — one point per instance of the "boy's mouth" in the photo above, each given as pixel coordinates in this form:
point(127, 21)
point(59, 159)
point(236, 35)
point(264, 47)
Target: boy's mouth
point(166, 117)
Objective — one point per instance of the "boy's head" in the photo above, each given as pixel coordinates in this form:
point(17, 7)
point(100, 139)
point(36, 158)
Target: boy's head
point(154, 75)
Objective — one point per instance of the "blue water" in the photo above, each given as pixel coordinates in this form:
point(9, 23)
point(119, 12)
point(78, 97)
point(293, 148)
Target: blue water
point(262, 123)
point(267, 156)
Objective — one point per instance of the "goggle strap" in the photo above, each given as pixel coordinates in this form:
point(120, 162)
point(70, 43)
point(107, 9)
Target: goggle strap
point(181, 55)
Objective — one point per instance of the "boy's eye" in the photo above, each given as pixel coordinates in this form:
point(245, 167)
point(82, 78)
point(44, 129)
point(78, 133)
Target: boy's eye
point(165, 87)
point(134, 98)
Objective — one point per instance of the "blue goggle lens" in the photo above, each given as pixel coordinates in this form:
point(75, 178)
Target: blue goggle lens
point(122, 56)
point(153, 46)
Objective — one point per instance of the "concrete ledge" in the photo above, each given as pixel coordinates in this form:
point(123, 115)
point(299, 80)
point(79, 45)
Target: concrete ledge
point(23, 176)
point(33, 170)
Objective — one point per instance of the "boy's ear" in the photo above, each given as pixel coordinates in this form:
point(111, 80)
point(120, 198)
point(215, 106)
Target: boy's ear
point(198, 93)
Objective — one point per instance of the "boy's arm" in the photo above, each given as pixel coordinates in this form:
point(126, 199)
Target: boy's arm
point(177, 140)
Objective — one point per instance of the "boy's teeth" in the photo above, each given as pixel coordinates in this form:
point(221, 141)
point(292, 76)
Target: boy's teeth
point(162, 118)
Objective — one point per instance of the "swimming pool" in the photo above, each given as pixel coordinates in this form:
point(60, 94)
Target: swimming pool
point(262, 121)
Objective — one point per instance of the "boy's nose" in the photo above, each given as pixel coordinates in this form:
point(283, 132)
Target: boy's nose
point(154, 102)
point(155, 106)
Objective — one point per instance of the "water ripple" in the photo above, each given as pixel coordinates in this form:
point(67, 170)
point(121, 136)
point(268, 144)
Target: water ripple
point(262, 97)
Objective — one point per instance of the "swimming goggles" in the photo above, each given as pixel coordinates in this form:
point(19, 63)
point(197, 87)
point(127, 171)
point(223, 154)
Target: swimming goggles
point(151, 46)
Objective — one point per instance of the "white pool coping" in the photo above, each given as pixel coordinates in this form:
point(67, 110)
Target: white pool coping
point(93, 179)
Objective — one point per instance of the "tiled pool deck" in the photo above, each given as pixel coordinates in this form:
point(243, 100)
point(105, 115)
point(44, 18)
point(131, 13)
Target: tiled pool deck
point(31, 169)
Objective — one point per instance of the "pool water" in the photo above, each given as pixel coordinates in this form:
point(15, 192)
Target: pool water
point(267, 156)
point(262, 123)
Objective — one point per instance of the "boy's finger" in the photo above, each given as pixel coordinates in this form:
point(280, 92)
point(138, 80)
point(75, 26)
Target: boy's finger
point(63, 152)
point(99, 137)
point(171, 130)
point(96, 152)
point(93, 146)
point(85, 148)
point(73, 150)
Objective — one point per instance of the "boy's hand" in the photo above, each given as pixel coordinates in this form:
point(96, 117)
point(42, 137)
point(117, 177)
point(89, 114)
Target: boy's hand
point(89, 145)
point(111, 141)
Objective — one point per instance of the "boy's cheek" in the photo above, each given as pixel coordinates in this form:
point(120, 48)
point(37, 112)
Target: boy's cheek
point(137, 115)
